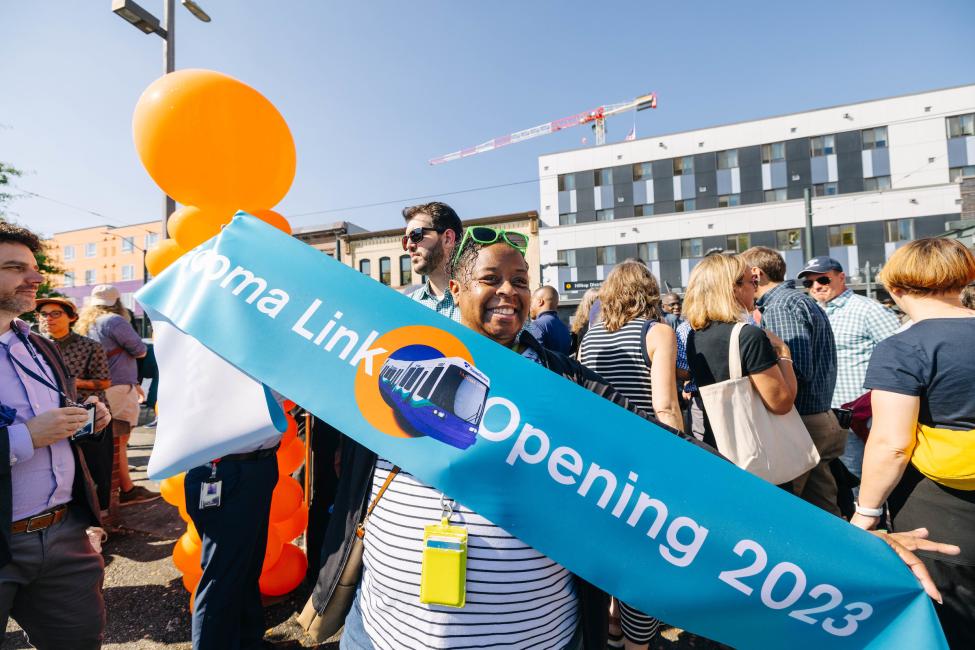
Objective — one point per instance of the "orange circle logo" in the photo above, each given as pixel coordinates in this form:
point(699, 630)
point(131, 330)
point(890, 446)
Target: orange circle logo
point(407, 348)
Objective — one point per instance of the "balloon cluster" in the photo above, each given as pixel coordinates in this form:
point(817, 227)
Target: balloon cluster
point(284, 563)
point(215, 145)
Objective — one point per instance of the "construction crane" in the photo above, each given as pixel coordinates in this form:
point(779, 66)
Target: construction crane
point(596, 117)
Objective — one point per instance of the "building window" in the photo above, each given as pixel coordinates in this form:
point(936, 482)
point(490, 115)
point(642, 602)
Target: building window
point(692, 247)
point(961, 125)
point(822, 145)
point(772, 152)
point(684, 206)
point(739, 243)
point(899, 230)
point(151, 239)
point(728, 159)
point(385, 271)
point(647, 251)
point(127, 244)
point(876, 183)
point(824, 189)
point(567, 257)
point(567, 219)
point(91, 250)
point(788, 240)
point(128, 272)
point(645, 210)
point(642, 170)
point(842, 236)
point(604, 215)
point(69, 279)
point(90, 277)
point(955, 174)
point(603, 177)
point(771, 196)
point(365, 267)
point(405, 271)
point(728, 200)
point(68, 253)
point(567, 182)
point(874, 138)
point(605, 255)
point(683, 166)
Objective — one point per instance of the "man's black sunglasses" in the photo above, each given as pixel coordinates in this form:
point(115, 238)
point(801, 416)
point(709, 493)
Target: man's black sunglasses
point(417, 234)
point(823, 280)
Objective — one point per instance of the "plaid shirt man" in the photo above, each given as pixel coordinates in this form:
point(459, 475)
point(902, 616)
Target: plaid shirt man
point(802, 324)
point(859, 324)
point(444, 306)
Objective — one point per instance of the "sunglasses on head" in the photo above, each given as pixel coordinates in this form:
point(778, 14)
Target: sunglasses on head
point(416, 235)
point(823, 280)
point(485, 236)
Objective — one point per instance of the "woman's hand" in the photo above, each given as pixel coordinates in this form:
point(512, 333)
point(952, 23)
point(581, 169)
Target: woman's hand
point(916, 540)
point(780, 346)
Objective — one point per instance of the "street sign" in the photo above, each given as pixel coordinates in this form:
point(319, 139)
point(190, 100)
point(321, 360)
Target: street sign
point(584, 285)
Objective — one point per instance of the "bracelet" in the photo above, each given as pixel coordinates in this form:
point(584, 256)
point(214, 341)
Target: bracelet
point(869, 512)
point(789, 359)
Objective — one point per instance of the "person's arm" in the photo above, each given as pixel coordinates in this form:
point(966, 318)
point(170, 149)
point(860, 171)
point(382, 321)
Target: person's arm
point(777, 385)
point(662, 350)
point(97, 376)
point(127, 338)
point(889, 447)
point(683, 369)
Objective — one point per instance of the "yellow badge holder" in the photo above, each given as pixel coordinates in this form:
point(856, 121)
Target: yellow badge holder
point(443, 572)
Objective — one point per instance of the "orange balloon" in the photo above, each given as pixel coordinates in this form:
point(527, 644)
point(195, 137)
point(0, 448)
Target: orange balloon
point(186, 555)
point(212, 141)
point(190, 581)
point(295, 525)
point(192, 600)
point(288, 405)
point(290, 456)
point(193, 533)
point(292, 431)
point(183, 514)
point(273, 549)
point(190, 226)
point(274, 219)
point(162, 254)
point(172, 490)
point(286, 574)
point(285, 499)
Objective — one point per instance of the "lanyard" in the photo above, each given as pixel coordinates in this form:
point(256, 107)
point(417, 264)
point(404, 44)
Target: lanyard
point(46, 381)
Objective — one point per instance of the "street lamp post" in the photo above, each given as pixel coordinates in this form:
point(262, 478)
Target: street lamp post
point(145, 272)
point(149, 24)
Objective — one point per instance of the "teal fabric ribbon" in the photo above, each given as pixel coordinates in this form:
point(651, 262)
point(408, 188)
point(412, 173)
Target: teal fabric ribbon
point(667, 527)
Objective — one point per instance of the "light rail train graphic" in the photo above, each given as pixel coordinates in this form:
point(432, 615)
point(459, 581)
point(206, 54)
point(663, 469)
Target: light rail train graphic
point(442, 398)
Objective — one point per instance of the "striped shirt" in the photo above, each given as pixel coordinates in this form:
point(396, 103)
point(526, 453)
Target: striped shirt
point(859, 324)
point(620, 358)
point(516, 597)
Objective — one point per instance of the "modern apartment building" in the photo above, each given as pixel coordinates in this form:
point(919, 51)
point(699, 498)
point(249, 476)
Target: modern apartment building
point(880, 172)
point(102, 255)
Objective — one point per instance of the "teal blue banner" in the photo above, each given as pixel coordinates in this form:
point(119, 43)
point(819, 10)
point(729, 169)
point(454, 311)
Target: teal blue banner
point(667, 527)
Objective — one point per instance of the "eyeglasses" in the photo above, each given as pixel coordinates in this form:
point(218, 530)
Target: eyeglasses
point(485, 236)
point(54, 313)
point(823, 280)
point(416, 235)
point(740, 282)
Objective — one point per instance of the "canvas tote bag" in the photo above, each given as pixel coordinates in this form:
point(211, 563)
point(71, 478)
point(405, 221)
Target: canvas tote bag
point(776, 448)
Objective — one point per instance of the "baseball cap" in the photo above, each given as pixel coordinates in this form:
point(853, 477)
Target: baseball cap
point(105, 295)
point(68, 306)
point(821, 265)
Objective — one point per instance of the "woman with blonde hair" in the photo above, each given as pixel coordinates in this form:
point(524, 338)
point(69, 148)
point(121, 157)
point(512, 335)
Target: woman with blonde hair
point(920, 456)
point(579, 324)
point(637, 355)
point(720, 293)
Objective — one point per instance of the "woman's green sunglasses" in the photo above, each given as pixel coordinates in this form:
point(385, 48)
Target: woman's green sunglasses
point(485, 236)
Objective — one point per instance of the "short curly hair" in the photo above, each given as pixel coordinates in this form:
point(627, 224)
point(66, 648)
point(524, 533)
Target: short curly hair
point(11, 233)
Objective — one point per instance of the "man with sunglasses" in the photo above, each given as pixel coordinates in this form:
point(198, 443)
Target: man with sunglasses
point(50, 576)
point(859, 324)
point(432, 233)
point(801, 323)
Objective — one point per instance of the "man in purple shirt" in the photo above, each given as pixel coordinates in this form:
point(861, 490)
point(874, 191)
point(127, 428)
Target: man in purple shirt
point(50, 576)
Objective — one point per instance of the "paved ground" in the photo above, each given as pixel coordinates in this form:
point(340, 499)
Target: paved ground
point(148, 608)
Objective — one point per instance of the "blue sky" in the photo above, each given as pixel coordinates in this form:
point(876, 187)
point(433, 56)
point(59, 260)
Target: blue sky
point(372, 90)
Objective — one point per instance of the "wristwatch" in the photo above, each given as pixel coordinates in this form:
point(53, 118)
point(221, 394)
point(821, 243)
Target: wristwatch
point(869, 512)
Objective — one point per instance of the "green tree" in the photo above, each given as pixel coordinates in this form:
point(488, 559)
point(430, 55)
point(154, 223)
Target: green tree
point(48, 268)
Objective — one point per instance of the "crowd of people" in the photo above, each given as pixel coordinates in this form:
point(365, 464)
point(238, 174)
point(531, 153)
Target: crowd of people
point(887, 408)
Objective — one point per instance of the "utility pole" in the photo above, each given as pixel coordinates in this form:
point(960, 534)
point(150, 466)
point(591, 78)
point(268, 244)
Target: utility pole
point(808, 239)
point(169, 64)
